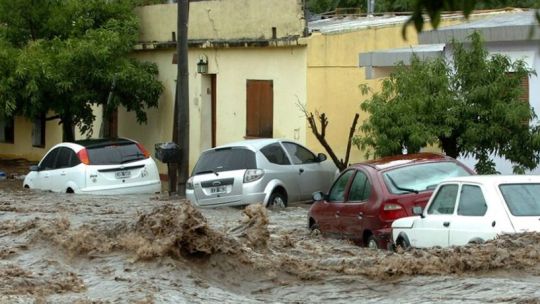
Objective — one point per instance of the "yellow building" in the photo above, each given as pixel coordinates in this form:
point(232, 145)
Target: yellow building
point(263, 63)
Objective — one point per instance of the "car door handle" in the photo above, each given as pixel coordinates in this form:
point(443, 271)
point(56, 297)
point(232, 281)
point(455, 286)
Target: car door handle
point(63, 173)
point(446, 224)
point(300, 170)
point(337, 213)
point(360, 215)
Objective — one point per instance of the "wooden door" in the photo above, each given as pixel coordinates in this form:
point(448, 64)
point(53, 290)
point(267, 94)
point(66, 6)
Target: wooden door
point(260, 108)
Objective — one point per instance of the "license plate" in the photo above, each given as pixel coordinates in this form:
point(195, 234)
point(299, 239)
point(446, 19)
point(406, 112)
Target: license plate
point(218, 189)
point(122, 174)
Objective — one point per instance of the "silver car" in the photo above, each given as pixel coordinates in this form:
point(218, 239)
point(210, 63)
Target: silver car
point(268, 171)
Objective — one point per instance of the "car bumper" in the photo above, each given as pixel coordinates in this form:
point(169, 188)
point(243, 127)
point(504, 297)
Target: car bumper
point(138, 188)
point(235, 200)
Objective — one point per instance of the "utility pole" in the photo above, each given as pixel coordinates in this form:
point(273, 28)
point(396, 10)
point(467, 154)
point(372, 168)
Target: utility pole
point(182, 94)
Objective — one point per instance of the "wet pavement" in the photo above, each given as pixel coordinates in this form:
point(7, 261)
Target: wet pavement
point(65, 248)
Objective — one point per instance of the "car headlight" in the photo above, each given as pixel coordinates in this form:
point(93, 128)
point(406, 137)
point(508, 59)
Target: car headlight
point(252, 175)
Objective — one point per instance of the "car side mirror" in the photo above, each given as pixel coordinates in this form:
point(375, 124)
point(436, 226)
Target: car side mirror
point(34, 168)
point(321, 157)
point(318, 196)
point(417, 210)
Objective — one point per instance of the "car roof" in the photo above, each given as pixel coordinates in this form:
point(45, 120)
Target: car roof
point(395, 161)
point(253, 144)
point(496, 179)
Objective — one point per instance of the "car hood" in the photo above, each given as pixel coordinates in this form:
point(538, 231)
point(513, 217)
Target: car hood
point(405, 222)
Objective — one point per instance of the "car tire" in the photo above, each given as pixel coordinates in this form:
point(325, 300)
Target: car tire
point(315, 229)
point(403, 243)
point(372, 242)
point(277, 200)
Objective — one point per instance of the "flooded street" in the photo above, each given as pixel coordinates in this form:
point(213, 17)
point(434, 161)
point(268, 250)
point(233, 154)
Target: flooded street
point(62, 248)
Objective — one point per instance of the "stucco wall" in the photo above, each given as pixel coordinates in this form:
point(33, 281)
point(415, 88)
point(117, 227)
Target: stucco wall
point(22, 146)
point(232, 67)
point(225, 19)
point(333, 78)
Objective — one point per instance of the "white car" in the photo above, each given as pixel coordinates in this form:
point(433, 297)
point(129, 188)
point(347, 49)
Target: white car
point(96, 166)
point(472, 209)
point(268, 171)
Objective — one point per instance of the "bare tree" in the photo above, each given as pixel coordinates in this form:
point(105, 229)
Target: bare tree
point(312, 118)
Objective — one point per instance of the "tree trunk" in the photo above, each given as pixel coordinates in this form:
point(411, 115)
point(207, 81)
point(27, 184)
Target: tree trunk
point(68, 129)
point(450, 146)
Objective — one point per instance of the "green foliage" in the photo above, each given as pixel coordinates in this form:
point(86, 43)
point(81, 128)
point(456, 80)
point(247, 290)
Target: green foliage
point(63, 55)
point(470, 106)
point(321, 6)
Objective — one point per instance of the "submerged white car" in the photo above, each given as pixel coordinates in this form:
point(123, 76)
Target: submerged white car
point(268, 171)
point(96, 166)
point(472, 209)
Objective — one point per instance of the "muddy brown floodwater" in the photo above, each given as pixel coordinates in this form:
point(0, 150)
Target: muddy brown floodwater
point(62, 248)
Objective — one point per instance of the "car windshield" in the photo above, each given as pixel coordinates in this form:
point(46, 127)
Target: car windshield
point(114, 154)
point(225, 159)
point(522, 199)
point(421, 177)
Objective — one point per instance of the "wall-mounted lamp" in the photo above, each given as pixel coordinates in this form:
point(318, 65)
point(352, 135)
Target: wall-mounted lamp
point(202, 65)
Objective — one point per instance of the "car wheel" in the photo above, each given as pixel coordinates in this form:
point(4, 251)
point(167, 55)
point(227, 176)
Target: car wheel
point(277, 200)
point(315, 229)
point(372, 243)
point(403, 243)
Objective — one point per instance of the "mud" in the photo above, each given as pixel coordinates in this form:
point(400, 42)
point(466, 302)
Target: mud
point(60, 248)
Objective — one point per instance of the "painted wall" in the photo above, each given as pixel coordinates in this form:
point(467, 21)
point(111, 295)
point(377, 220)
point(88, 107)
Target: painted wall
point(333, 79)
point(225, 19)
point(22, 146)
point(232, 67)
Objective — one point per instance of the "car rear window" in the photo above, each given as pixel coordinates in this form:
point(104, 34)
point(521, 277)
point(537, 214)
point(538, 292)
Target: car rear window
point(114, 154)
point(421, 177)
point(225, 159)
point(522, 199)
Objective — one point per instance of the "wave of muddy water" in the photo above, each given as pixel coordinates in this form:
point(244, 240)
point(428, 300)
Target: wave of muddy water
point(60, 248)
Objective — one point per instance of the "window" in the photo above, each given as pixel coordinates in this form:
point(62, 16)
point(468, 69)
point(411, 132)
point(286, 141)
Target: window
point(259, 108)
point(444, 201)
point(225, 159)
point(299, 154)
point(7, 130)
point(114, 154)
point(360, 187)
point(337, 193)
point(49, 162)
point(275, 154)
point(522, 199)
point(471, 201)
point(38, 132)
point(421, 177)
point(66, 158)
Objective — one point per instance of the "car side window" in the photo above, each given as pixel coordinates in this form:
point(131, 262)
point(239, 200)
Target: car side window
point(49, 162)
point(299, 154)
point(66, 158)
point(360, 187)
point(445, 200)
point(337, 193)
point(275, 154)
point(471, 201)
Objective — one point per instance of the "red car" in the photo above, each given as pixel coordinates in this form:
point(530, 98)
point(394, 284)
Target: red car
point(367, 197)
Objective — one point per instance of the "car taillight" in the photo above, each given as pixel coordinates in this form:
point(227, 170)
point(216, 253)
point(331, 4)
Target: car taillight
point(252, 175)
point(143, 150)
point(83, 156)
point(392, 212)
point(189, 184)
